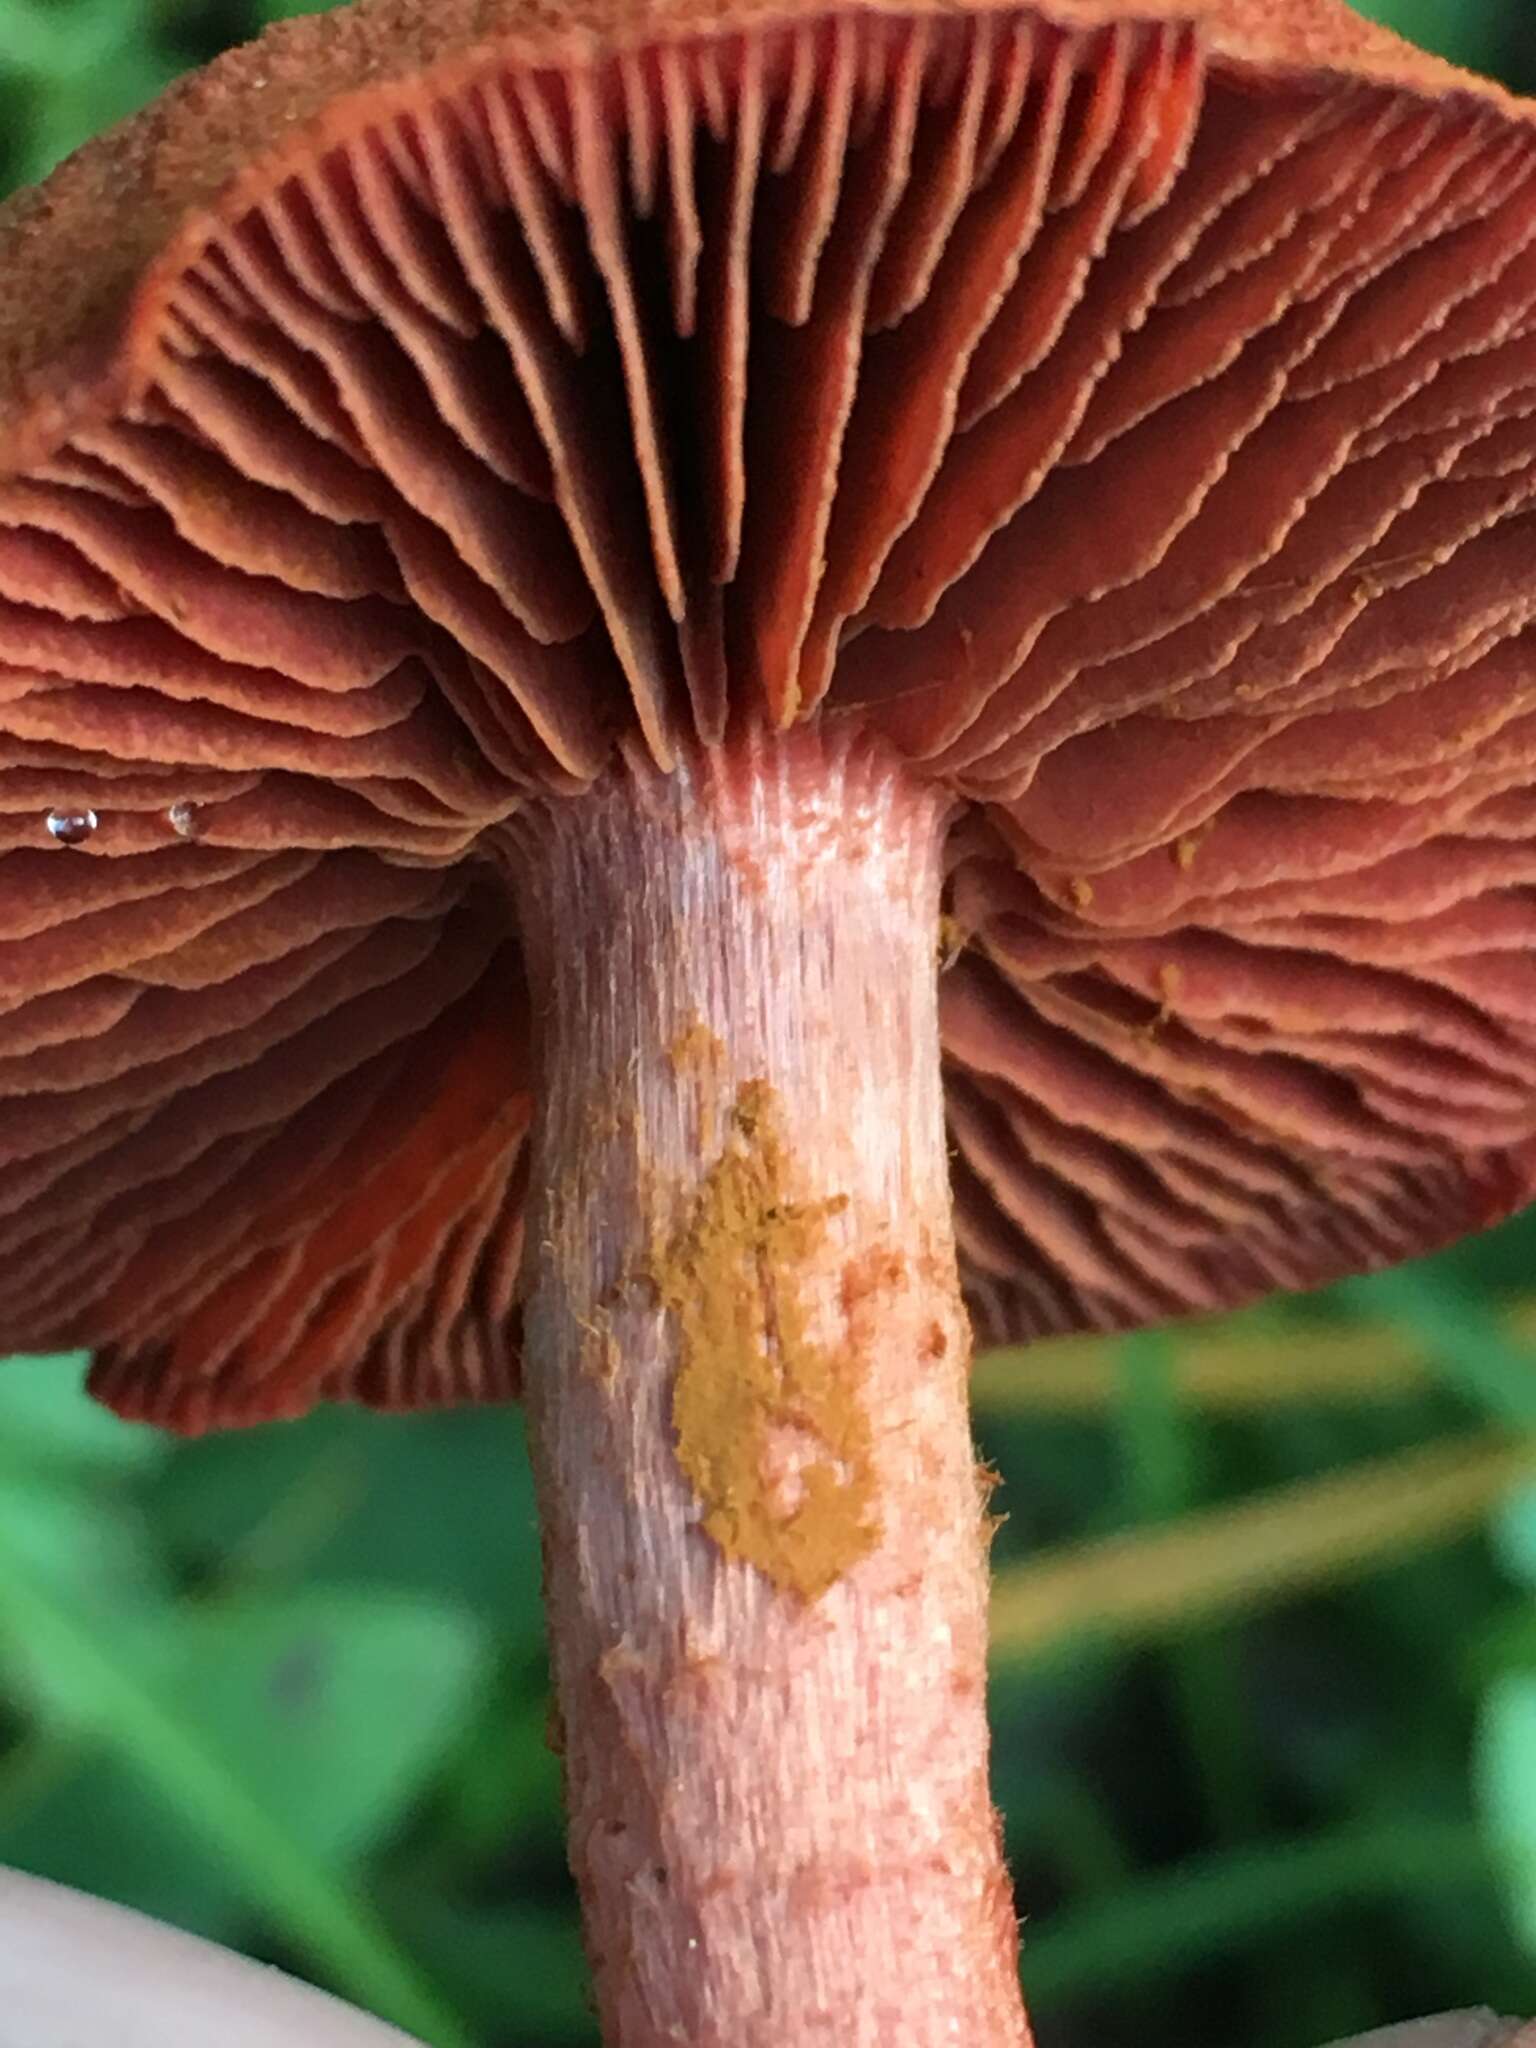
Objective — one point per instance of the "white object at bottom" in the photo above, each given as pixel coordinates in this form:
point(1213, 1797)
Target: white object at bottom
point(76, 1973)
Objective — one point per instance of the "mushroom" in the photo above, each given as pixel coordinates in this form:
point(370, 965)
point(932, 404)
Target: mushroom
point(553, 562)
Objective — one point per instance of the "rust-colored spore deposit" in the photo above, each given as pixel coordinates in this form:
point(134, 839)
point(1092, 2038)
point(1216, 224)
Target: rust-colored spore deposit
point(1119, 415)
point(772, 1427)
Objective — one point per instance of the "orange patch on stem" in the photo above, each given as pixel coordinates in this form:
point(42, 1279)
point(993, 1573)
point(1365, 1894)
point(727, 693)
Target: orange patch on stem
point(771, 1430)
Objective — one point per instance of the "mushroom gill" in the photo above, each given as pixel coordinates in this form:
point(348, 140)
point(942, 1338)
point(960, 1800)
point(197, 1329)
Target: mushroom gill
point(1124, 416)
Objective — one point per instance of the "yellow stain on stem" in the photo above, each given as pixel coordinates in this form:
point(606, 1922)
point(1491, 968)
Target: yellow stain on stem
point(771, 1429)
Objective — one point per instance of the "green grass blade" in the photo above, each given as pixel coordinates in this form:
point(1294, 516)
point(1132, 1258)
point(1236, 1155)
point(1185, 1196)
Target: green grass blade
point(349, 1945)
point(1204, 1908)
point(1230, 1559)
point(1466, 1347)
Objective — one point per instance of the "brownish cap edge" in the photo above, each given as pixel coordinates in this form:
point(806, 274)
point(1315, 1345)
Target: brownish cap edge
point(88, 255)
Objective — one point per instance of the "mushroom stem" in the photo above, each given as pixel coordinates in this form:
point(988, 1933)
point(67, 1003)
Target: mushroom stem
point(746, 1363)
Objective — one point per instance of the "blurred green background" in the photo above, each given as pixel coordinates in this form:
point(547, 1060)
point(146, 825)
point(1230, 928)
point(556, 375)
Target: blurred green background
point(1265, 1620)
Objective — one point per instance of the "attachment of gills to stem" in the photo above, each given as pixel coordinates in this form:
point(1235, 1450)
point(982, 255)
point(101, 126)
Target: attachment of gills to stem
point(558, 563)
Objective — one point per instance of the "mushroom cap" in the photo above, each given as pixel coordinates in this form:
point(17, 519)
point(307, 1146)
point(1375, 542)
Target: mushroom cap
point(392, 427)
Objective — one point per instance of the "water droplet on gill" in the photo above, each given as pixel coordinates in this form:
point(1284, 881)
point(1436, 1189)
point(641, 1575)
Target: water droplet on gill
point(185, 820)
point(72, 824)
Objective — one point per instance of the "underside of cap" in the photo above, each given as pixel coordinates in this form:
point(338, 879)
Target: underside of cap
point(1124, 416)
point(84, 253)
